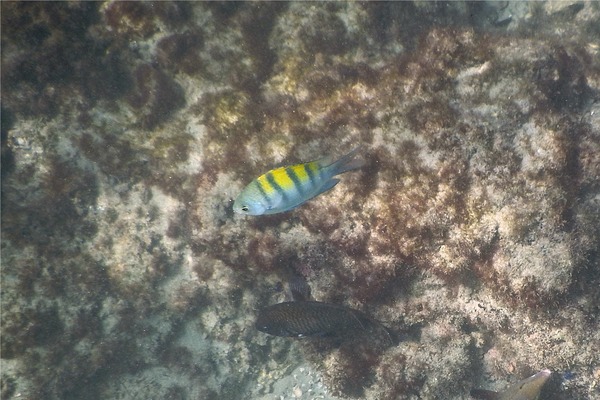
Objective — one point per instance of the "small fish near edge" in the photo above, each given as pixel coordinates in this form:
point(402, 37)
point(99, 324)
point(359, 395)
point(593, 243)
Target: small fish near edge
point(527, 389)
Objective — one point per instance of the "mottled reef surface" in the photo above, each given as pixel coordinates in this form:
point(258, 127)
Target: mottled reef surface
point(474, 227)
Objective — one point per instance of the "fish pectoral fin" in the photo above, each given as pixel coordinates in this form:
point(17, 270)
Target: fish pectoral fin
point(483, 394)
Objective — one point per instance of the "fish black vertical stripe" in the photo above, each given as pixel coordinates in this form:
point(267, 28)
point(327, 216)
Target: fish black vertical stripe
point(275, 185)
point(310, 173)
point(263, 193)
point(294, 177)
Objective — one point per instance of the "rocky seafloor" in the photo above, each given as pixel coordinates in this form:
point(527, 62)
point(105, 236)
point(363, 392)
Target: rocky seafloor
point(474, 226)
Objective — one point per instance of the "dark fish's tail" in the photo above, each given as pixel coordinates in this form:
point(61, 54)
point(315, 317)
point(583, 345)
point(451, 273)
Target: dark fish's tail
point(376, 328)
point(408, 333)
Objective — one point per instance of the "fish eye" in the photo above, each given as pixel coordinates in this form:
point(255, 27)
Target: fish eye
point(245, 208)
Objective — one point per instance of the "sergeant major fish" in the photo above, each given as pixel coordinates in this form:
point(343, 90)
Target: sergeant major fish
point(527, 389)
point(316, 319)
point(283, 189)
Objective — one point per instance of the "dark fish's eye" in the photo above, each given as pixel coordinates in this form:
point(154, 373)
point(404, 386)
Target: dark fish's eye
point(245, 208)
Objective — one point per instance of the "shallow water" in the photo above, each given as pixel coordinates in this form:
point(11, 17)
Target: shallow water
point(472, 230)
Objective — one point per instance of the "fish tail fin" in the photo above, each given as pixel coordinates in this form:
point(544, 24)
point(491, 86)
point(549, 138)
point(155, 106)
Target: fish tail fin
point(392, 337)
point(345, 163)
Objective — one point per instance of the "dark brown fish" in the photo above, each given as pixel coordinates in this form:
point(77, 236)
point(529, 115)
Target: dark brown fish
point(315, 319)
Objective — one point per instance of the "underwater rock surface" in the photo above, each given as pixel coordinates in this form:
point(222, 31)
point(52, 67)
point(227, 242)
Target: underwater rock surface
point(128, 128)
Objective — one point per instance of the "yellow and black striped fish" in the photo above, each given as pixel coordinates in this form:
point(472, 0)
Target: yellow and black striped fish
point(283, 189)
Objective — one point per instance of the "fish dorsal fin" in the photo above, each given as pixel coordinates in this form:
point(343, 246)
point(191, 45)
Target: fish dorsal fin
point(483, 394)
point(299, 288)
